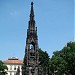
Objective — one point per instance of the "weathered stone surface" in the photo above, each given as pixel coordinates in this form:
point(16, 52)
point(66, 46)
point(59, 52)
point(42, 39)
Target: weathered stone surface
point(31, 58)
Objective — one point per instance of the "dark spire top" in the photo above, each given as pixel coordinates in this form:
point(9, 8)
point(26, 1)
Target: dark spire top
point(31, 3)
point(32, 11)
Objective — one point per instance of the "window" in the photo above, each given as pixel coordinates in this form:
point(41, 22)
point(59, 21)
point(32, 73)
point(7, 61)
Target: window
point(14, 73)
point(14, 67)
point(19, 67)
point(10, 67)
point(10, 73)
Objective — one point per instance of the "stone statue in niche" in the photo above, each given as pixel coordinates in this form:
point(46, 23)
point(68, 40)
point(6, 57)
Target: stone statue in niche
point(32, 47)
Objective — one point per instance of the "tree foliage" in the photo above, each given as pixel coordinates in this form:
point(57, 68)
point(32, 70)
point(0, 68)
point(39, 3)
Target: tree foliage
point(63, 61)
point(3, 68)
point(43, 56)
point(57, 64)
point(44, 60)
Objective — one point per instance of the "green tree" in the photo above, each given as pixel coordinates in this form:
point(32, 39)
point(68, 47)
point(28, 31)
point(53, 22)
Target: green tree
point(63, 61)
point(68, 53)
point(57, 65)
point(44, 60)
point(3, 68)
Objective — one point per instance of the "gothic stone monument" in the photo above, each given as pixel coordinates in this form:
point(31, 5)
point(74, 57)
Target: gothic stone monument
point(31, 58)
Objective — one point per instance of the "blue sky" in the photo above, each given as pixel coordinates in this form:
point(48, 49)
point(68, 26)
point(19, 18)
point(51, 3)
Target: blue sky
point(54, 20)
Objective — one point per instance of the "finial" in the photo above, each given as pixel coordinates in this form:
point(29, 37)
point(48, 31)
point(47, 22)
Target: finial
point(31, 3)
point(32, 11)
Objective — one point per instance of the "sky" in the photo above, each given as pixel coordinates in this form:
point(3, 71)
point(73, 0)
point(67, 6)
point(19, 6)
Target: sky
point(54, 20)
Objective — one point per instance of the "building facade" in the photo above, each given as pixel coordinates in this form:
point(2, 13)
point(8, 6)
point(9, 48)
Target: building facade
point(13, 65)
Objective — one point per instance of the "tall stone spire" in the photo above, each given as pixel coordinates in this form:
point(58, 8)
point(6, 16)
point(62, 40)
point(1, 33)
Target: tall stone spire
point(31, 21)
point(31, 58)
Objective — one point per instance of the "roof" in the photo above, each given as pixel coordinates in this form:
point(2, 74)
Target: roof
point(13, 60)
